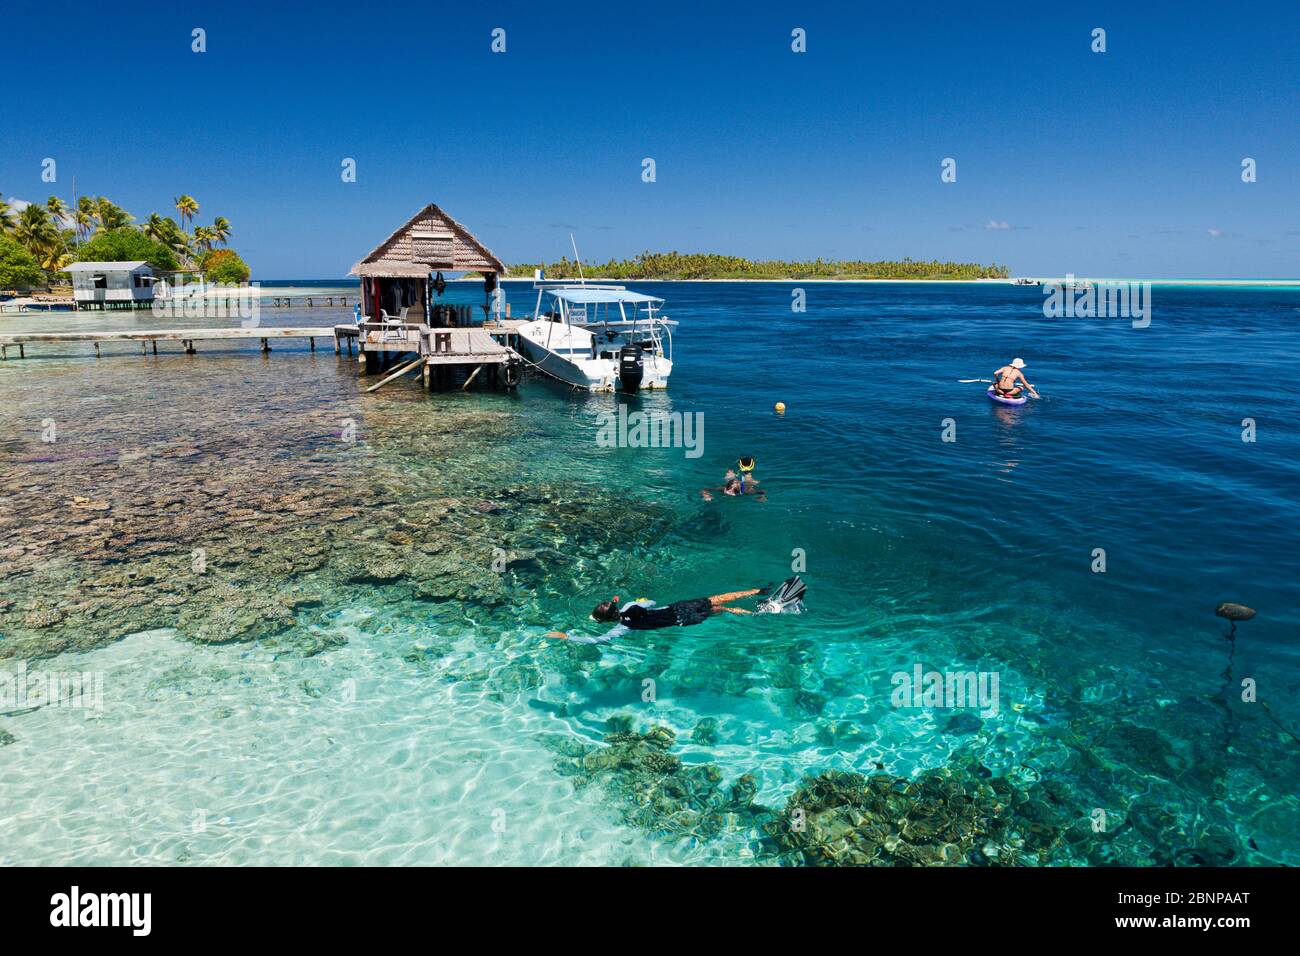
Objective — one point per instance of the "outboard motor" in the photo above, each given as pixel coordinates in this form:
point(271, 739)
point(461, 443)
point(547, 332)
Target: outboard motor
point(630, 368)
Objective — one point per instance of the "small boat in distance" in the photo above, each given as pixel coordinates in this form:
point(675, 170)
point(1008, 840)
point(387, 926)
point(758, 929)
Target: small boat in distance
point(599, 337)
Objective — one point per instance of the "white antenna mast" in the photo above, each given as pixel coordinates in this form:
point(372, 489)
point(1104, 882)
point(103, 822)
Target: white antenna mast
point(577, 258)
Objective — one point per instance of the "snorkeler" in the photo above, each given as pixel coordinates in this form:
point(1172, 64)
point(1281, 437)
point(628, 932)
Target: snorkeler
point(737, 484)
point(642, 615)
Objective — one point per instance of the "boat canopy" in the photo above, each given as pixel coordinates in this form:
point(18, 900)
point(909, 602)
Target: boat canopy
point(585, 296)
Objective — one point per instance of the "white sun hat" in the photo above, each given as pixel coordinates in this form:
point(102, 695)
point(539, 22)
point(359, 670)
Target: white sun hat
point(1017, 363)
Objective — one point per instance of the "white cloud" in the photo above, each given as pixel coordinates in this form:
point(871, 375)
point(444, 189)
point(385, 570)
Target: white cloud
point(1214, 232)
point(994, 224)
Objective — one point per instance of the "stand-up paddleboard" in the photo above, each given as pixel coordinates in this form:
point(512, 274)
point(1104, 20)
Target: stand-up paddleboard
point(993, 395)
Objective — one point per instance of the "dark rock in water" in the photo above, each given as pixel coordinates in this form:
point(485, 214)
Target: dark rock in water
point(963, 723)
point(656, 791)
point(808, 704)
point(1234, 612)
point(485, 507)
point(706, 731)
point(619, 724)
point(943, 817)
point(376, 572)
point(744, 790)
point(6, 738)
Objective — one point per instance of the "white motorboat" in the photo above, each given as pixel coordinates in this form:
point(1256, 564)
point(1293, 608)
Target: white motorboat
point(599, 337)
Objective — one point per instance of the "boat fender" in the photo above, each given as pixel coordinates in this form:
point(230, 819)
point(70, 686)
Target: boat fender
point(512, 374)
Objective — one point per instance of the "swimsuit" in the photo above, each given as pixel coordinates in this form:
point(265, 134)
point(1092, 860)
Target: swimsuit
point(679, 614)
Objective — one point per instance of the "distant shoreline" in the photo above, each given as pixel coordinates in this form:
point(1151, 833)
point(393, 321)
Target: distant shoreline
point(1271, 283)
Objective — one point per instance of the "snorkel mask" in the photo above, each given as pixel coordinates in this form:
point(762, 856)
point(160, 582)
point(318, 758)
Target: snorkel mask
point(746, 466)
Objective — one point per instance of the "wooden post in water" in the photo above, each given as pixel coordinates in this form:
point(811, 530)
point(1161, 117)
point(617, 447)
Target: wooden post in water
point(401, 371)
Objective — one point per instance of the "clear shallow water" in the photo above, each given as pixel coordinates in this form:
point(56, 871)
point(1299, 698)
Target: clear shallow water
point(971, 555)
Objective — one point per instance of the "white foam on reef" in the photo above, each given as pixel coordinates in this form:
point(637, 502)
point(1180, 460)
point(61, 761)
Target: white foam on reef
point(227, 755)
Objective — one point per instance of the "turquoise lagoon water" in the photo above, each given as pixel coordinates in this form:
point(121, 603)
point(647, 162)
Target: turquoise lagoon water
point(425, 728)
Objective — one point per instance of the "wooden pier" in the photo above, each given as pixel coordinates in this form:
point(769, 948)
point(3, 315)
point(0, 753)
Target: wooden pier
point(436, 351)
point(403, 327)
point(187, 337)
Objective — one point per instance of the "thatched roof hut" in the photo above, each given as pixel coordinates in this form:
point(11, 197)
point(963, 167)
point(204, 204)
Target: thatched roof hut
point(428, 242)
point(397, 274)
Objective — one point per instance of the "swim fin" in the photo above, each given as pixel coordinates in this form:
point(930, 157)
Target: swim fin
point(787, 598)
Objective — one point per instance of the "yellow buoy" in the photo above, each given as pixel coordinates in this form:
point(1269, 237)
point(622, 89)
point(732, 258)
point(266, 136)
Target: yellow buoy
point(780, 408)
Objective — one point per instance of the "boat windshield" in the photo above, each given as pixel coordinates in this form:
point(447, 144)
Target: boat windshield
point(604, 305)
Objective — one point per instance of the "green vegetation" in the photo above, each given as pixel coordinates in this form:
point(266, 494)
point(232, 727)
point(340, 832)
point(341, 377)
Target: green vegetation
point(678, 265)
point(224, 265)
point(97, 229)
point(18, 267)
point(127, 245)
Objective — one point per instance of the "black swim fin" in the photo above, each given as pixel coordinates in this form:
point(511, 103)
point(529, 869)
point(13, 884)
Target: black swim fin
point(787, 597)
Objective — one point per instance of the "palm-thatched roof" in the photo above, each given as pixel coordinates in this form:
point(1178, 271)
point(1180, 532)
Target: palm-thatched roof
point(430, 240)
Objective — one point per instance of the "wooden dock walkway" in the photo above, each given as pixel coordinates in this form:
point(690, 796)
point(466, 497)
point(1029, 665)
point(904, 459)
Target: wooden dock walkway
point(442, 355)
point(187, 337)
point(435, 349)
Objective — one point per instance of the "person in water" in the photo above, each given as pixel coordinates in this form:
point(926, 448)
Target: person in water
point(643, 615)
point(737, 484)
point(1009, 378)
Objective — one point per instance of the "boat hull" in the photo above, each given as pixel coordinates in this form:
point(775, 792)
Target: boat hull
point(564, 353)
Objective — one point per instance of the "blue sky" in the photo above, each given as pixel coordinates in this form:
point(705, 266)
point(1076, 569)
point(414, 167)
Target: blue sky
point(1124, 163)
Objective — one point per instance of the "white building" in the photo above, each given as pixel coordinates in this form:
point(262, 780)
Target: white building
point(112, 285)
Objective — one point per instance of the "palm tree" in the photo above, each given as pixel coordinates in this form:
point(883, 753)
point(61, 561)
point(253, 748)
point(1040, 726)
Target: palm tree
point(37, 233)
point(7, 219)
point(153, 227)
point(188, 207)
point(84, 217)
point(164, 229)
point(57, 207)
point(221, 229)
point(111, 216)
point(204, 237)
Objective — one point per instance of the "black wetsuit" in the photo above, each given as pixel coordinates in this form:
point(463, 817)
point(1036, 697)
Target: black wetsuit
point(679, 614)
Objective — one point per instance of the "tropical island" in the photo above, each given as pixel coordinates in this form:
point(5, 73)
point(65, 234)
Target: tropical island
point(39, 241)
point(703, 265)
